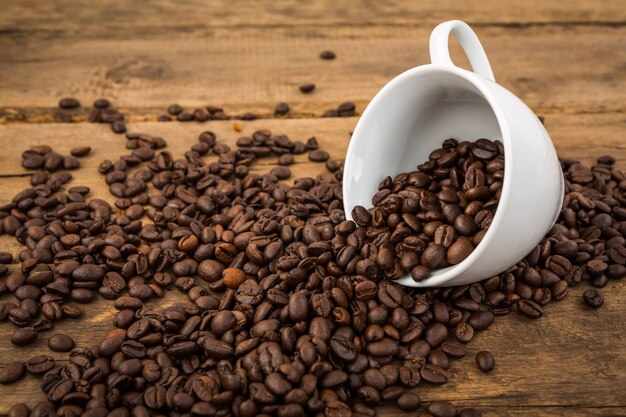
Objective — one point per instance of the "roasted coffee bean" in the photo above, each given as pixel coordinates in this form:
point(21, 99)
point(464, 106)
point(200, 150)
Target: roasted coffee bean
point(529, 309)
point(307, 88)
point(442, 409)
point(485, 361)
point(318, 155)
point(408, 401)
point(328, 55)
point(24, 336)
point(61, 343)
point(69, 103)
point(593, 298)
point(40, 364)
point(281, 109)
point(12, 372)
point(434, 374)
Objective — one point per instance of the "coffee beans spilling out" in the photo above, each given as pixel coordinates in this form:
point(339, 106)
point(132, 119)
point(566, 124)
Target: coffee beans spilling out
point(435, 216)
point(293, 309)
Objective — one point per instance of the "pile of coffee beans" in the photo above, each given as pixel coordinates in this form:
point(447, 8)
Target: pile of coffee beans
point(293, 310)
point(435, 216)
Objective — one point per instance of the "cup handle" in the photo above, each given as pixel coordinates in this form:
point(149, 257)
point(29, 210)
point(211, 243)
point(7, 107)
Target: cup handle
point(440, 54)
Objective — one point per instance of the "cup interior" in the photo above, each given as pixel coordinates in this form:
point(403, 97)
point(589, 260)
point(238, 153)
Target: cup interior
point(412, 118)
point(408, 120)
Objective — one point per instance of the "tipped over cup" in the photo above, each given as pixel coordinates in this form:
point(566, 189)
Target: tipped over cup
point(416, 111)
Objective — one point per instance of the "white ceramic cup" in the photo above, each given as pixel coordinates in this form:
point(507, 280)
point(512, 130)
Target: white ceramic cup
point(416, 111)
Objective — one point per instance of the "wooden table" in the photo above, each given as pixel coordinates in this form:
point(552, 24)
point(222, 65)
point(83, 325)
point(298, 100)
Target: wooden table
point(566, 59)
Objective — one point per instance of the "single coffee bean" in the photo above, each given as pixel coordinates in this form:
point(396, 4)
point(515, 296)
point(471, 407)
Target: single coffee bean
point(24, 336)
point(434, 374)
point(408, 401)
point(485, 361)
point(318, 155)
point(281, 109)
point(442, 409)
point(40, 364)
point(12, 372)
point(233, 277)
point(307, 88)
point(328, 55)
point(61, 343)
point(80, 151)
point(593, 298)
point(529, 309)
point(69, 103)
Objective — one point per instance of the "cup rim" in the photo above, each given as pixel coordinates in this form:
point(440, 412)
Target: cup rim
point(441, 277)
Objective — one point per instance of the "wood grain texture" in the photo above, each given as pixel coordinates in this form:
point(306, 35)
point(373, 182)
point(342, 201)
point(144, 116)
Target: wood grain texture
point(584, 137)
point(105, 17)
point(567, 362)
point(540, 364)
point(553, 69)
point(565, 58)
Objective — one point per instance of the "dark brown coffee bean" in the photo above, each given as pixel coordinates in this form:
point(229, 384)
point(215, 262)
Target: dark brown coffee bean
point(485, 361)
point(484, 149)
point(40, 364)
point(328, 55)
point(307, 88)
point(12, 372)
point(459, 250)
point(593, 298)
point(529, 309)
point(61, 343)
point(24, 336)
point(408, 401)
point(318, 155)
point(5, 258)
point(69, 103)
point(281, 109)
point(436, 334)
point(434, 374)
point(442, 409)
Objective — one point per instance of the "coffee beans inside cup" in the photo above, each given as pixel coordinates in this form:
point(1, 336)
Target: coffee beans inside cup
point(435, 216)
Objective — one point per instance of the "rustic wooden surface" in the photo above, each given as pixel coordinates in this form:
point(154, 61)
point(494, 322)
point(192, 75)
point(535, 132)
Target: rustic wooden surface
point(566, 59)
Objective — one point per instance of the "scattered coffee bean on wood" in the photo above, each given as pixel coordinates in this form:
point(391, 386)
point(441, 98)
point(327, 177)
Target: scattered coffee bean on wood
point(593, 298)
point(307, 88)
point(12, 372)
point(69, 103)
point(281, 109)
point(485, 361)
point(81, 151)
point(60, 343)
point(297, 311)
point(328, 55)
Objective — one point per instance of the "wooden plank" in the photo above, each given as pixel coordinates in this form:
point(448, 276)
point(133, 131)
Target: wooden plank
point(584, 137)
point(540, 364)
point(72, 15)
point(554, 69)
